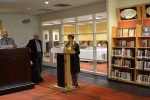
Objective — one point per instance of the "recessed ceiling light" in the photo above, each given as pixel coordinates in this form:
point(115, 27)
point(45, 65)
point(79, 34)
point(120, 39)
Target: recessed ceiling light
point(47, 2)
point(28, 8)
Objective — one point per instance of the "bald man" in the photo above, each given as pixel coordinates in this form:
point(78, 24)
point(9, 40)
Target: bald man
point(36, 51)
point(6, 42)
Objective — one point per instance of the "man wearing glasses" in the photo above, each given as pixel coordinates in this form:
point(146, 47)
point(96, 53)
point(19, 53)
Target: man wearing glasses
point(6, 42)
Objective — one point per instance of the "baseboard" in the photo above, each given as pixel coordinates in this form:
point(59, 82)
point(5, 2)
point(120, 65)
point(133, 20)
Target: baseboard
point(16, 88)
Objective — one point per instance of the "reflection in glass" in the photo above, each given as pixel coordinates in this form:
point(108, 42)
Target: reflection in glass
point(69, 29)
point(55, 43)
point(85, 27)
point(101, 52)
point(86, 51)
point(101, 26)
point(46, 56)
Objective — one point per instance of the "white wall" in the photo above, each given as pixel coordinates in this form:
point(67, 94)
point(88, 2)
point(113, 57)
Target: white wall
point(84, 10)
point(19, 31)
point(124, 3)
point(112, 21)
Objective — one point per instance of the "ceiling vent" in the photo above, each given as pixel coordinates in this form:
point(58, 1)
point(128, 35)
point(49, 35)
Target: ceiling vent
point(26, 21)
point(62, 5)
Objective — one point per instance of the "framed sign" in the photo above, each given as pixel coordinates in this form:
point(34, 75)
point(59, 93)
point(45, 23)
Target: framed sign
point(129, 13)
point(146, 10)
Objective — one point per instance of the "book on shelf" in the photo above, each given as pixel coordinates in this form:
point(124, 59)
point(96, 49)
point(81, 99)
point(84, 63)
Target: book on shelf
point(132, 32)
point(128, 43)
point(127, 63)
point(146, 65)
point(127, 53)
point(132, 44)
point(143, 65)
point(144, 43)
point(139, 65)
point(119, 33)
point(119, 43)
point(148, 42)
point(143, 79)
point(143, 54)
point(117, 52)
point(125, 32)
point(147, 54)
point(117, 62)
point(146, 31)
point(140, 54)
point(135, 33)
point(121, 75)
point(123, 43)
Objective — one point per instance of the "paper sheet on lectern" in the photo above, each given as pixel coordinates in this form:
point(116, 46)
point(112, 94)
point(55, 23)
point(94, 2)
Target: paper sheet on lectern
point(57, 50)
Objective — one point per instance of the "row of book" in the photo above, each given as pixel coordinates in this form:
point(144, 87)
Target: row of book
point(143, 79)
point(118, 62)
point(145, 43)
point(121, 75)
point(143, 65)
point(131, 32)
point(126, 32)
point(123, 52)
point(125, 43)
point(143, 54)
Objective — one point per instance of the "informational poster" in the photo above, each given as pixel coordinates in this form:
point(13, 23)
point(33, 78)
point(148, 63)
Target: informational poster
point(129, 13)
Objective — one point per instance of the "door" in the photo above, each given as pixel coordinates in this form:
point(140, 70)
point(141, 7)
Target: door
point(51, 39)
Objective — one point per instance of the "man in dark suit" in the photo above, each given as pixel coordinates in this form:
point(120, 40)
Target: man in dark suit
point(36, 54)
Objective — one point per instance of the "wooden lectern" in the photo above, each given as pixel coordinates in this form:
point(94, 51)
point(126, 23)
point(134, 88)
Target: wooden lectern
point(64, 81)
point(15, 70)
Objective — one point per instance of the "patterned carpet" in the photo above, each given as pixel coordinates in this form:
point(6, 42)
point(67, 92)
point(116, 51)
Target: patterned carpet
point(45, 91)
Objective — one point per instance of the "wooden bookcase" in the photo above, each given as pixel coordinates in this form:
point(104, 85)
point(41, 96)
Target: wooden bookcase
point(130, 73)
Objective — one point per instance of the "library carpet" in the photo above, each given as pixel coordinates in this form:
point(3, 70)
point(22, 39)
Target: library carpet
point(45, 91)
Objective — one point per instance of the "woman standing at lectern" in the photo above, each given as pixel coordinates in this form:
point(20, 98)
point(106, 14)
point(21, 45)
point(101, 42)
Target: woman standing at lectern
point(74, 59)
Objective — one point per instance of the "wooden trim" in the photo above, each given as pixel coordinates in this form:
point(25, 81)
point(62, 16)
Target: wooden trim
point(144, 11)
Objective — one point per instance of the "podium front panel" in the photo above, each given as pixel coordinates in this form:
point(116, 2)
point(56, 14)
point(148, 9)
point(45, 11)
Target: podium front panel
point(60, 70)
point(14, 66)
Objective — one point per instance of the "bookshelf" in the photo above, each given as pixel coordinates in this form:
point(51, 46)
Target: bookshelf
point(130, 56)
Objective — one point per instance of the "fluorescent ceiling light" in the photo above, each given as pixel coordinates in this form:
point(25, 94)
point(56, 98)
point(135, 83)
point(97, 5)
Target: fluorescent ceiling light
point(70, 21)
point(47, 24)
point(98, 18)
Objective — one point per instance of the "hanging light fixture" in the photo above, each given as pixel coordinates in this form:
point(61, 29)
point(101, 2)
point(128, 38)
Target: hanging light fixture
point(47, 2)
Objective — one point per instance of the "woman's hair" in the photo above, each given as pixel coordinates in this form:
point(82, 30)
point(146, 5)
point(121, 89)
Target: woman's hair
point(71, 35)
